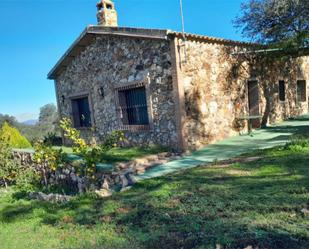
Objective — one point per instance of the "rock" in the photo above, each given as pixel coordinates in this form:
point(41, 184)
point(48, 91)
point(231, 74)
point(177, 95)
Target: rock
point(128, 171)
point(105, 184)
point(66, 171)
point(103, 193)
point(125, 189)
point(73, 177)
point(131, 179)
point(50, 197)
point(305, 211)
point(124, 181)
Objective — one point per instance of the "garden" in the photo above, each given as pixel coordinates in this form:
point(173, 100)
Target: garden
point(72, 170)
point(86, 196)
point(259, 200)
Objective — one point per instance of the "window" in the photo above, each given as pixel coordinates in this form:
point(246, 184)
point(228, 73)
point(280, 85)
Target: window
point(81, 112)
point(301, 91)
point(281, 90)
point(133, 106)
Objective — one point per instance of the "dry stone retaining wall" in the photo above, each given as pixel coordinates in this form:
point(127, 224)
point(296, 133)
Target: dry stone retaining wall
point(120, 176)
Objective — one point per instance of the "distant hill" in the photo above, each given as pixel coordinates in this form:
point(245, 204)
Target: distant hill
point(30, 122)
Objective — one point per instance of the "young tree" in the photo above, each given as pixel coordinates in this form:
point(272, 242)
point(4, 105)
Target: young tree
point(13, 137)
point(283, 23)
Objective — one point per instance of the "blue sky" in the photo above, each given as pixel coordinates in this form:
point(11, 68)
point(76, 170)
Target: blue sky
point(35, 33)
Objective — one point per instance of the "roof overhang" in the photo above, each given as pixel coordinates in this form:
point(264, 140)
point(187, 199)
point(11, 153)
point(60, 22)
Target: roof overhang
point(88, 35)
point(91, 32)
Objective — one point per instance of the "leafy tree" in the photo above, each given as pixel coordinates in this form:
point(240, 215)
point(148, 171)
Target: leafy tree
point(283, 23)
point(8, 119)
point(48, 119)
point(14, 138)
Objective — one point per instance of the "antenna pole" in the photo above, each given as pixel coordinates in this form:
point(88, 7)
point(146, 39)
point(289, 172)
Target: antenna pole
point(183, 29)
point(182, 18)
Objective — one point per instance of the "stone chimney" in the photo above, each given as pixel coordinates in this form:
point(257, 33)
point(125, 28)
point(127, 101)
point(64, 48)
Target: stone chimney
point(107, 15)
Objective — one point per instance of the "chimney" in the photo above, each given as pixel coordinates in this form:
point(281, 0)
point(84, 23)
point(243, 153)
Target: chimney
point(107, 15)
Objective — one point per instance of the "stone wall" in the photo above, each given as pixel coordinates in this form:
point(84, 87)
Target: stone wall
point(215, 85)
point(111, 62)
point(215, 88)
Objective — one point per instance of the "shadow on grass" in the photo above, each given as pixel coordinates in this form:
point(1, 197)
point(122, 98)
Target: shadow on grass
point(197, 208)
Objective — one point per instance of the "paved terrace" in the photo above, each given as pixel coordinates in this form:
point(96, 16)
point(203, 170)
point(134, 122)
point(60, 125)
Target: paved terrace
point(269, 137)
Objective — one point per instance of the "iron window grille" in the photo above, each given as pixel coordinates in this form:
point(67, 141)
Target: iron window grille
point(133, 109)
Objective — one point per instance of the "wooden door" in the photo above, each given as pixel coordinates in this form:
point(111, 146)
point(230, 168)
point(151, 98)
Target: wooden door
point(254, 102)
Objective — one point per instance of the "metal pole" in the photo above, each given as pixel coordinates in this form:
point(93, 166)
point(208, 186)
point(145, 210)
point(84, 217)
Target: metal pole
point(182, 18)
point(183, 29)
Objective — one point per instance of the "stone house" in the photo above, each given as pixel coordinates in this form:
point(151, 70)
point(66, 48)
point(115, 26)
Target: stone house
point(177, 90)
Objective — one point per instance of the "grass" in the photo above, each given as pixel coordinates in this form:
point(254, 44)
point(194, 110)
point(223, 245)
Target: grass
point(122, 154)
point(127, 154)
point(254, 204)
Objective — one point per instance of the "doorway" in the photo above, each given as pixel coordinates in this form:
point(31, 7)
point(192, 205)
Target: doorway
point(254, 103)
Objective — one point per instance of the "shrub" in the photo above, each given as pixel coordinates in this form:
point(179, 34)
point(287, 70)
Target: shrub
point(13, 137)
point(48, 158)
point(113, 140)
point(8, 167)
point(91, 155)
point(27, 179)
point(52, 139)
point(298, 144)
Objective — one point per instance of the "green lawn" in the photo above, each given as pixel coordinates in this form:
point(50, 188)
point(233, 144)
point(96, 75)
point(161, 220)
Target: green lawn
point(118, 154)
point(257, 203)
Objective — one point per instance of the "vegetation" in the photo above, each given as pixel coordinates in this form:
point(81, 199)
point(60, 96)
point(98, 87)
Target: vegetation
point(24, 178)
point(276, 22)
point(48, 158)
point(258, 203)
point(47, 127)
point(116, 155)
point(7, 166)
point(91, 155)
point(13, 137)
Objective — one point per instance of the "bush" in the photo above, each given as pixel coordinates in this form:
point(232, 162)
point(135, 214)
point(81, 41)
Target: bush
point(13, 137)
point(27, 179)
point(91, 155)
point(48, 158)
point(298, 144)
point(8, 167)
point(52, 139)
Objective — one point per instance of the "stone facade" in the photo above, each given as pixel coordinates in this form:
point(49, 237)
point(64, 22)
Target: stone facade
point(113, 62)
point(196, 90)
point(216, 94)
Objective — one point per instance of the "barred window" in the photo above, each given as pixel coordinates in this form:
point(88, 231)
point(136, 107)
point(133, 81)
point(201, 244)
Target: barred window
point(133, 106)
point(281, 90)
point(81, 112)
point(301, 91)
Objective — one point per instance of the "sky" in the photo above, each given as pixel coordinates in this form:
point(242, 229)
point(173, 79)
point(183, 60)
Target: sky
point(34, 34)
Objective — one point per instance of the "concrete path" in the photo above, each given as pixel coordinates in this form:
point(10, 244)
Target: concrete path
point(269, 137)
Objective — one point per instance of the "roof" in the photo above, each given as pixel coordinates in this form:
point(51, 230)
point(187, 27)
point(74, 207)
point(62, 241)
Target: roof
point(90, 32)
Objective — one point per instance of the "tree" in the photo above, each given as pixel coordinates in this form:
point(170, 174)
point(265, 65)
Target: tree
point(13, 137)
point(48, 119)
point(4, 118)
point(283, 23)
